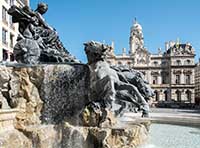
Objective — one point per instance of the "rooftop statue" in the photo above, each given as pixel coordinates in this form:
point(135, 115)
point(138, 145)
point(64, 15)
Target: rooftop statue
point(38, 42)
point(117, 88)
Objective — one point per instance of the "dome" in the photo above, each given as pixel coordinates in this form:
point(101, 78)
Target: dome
point(137, 26)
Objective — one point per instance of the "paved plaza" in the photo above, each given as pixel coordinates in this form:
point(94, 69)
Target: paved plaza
point(173, 116)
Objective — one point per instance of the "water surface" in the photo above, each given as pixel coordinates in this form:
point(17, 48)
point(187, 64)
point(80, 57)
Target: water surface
point(173, 136)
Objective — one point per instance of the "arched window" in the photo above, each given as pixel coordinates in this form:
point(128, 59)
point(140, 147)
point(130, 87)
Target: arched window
point(189, 95)
point(178, 96)
point(5, 55)
point(157, 97)
point(166, 95)
point(187, 79)
point(155, 79)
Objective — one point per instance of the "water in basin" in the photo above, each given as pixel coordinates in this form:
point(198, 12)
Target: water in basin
point(173, 136)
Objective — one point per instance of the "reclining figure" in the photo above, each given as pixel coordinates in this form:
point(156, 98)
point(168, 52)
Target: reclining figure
point(38, 43)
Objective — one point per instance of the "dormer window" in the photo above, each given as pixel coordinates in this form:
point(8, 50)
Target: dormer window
point(187, 62)
point(178, 62)
point(119, 63)
point(155, 63)
point(129, 63)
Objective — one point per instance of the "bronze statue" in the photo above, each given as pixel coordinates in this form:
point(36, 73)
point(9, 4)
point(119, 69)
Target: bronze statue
point(116, 88)
point(39, 42)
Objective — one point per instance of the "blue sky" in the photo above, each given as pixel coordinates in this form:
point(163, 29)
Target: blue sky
point(79, 21)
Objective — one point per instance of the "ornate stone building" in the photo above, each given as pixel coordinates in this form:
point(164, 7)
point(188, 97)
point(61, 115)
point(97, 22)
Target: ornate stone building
point(197, 83)
point(8, 30)
point(171, 73)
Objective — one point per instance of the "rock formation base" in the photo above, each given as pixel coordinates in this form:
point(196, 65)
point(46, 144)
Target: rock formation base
point(43, 109)
point(68, 136)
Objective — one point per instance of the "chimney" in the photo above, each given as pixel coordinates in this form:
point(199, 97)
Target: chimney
point(159, 51)
point(124, 51)
point(113, 45)
point(166, 46)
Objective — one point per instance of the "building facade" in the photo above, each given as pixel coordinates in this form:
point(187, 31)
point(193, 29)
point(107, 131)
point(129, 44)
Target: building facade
point(170, 73)
point(197, 83)
point(8, 30)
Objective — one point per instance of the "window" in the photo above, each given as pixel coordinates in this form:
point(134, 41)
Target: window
point(11, 40)
point(157, 95)
point(164, 80)
point(164, 63)
point(155, 63)
point(12, 57)
point(187, 62)
point(178, 62)
point(178, 95)
point(187, 79)
point(5, 55)
point(155, 79)
point(10, 20)
point(4, 14)
point(11, 2)
point(129, 63)
point(188, 95)
point(4, 36)
point(166, 95)
point(119, 63)
point(178, 79)
point(164, 76)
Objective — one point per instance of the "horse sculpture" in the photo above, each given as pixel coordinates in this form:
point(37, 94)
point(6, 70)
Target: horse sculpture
point(115, 87)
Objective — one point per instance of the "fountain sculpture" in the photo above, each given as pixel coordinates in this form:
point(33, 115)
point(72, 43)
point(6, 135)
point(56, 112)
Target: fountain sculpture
point(39, 42)
point(56, 101)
